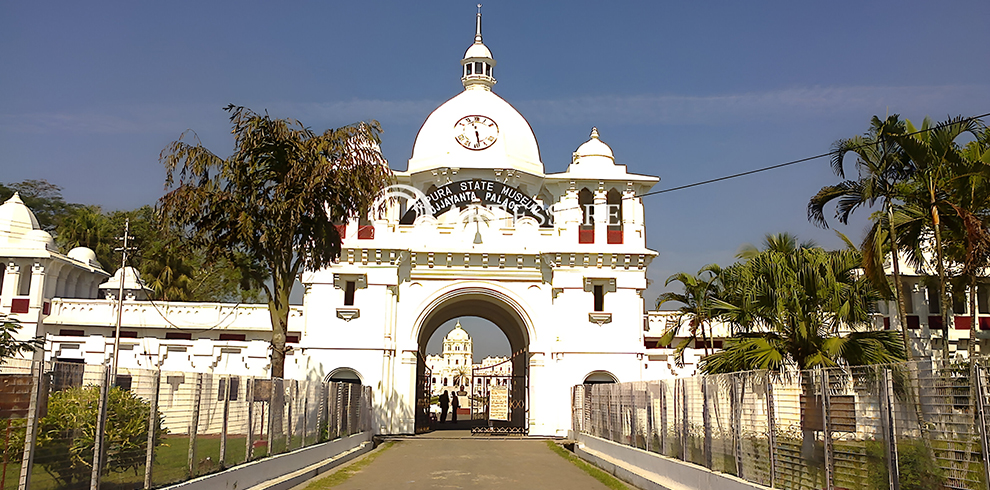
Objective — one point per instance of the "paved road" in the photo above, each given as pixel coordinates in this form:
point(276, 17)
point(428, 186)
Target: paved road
point(445, 462)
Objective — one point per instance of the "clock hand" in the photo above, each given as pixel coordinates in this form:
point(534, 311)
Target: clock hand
point(477, 137)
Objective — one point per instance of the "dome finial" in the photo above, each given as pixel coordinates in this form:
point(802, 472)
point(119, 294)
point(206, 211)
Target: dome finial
point(594, 132)
point(477, 31)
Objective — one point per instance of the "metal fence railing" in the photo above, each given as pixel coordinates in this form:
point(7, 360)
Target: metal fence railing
point(913, 425)
point(161, 427)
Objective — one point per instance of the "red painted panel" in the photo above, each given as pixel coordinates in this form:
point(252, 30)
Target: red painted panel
point(341, 230)
point(46, 309)
point(366, 232)
point(934, 322)
point(20, 305)
point(962, 322)
point(886, 323)
point(985, 323)
point(586, 236)
point(615, 237)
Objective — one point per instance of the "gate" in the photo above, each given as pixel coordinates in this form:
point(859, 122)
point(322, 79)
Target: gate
point(424, 394)
point(499, 399)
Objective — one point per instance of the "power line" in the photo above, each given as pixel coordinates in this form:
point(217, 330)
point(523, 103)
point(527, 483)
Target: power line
point(785, 164)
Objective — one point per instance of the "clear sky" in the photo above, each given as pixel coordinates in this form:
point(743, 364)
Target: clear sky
point(91, 92)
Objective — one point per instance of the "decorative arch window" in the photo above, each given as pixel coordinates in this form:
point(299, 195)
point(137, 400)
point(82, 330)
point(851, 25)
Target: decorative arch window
point(614, 201)
point(445, 381)
point(586, 231)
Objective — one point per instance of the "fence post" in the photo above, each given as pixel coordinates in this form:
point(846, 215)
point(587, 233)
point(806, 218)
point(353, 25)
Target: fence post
point(887, 424)
point(149, 456)
point(194, 424)
point(827, 431)
point(706, 420)
point(305, 412)
point(663, 418)
point(684, 421)
point(771, 431)
point(288, 426)
point(38, 390)
point(101, 430)
point(737, 400)
point(981, 419)
point(249, 437)
point(224, 424)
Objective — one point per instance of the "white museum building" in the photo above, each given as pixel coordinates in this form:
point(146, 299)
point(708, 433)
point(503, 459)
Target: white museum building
point(557, 261)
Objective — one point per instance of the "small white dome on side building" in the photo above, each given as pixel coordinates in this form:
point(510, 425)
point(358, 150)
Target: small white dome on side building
point(86, 256)
point(16, 219)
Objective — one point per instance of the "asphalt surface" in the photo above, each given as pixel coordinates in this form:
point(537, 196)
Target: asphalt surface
point(450, 461)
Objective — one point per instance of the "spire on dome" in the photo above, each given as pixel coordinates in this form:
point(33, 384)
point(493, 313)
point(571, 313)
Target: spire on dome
point(477, 32)
point(476, 67)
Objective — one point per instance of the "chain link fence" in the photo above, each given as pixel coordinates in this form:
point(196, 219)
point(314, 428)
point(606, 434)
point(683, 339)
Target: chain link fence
point(161, 427)
point(918, 425)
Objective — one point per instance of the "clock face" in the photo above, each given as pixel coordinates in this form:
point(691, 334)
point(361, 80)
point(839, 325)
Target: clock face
point(475, 132)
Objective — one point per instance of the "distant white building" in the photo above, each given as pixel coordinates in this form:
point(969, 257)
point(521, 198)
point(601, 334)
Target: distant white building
point(454, 368)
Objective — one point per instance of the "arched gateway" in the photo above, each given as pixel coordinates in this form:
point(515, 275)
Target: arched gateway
point(488, 301)
point(476, 227)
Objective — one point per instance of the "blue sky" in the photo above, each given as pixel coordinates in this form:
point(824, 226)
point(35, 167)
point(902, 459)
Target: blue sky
point(92, 91)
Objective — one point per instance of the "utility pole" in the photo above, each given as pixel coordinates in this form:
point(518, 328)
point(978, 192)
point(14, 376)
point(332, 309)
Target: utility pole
point(120, 298)
point(109, 379)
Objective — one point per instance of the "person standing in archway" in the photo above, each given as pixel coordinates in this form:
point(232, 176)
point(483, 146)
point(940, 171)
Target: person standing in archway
point(444, 404)
point(455, 404)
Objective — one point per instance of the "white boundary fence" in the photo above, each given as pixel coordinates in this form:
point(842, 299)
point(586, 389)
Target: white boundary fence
point(209, 422)
point(917, 425)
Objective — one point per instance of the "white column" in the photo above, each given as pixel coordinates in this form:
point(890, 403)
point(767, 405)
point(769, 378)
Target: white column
point(601, 215)
point(11, 284)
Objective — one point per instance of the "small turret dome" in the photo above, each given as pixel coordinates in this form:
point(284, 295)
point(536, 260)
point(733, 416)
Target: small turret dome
point(458, 333)
point(594, 152)
point(86, 256)
point(16, 218)
point(478, 63)
point(41, 240)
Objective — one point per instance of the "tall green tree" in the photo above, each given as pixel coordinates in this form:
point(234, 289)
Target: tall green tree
point(275, 199)
point(881, 168)
point(800, 306)
point(937, 159)
point(698, 300)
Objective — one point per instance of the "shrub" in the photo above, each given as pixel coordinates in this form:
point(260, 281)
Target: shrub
point(918, 469)
point(66, 434)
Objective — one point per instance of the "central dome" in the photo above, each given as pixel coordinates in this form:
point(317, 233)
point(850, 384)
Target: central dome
point(515, 144)
point(476, 129)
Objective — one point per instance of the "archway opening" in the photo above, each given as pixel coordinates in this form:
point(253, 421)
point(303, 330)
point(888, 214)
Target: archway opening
point(481, 305)
point(600, 378)
point(344, 375)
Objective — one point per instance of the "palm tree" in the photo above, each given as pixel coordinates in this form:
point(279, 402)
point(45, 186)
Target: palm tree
point(791, 303)
point(698, 298)
point(935, 157)
point(881, 167)
point(969, 198)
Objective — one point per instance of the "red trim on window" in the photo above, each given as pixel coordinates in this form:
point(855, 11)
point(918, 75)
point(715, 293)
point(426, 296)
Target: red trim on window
point(886, 323)
point(233, 336)
point(46, 308)
point(20, 305)
point(615, 237)
point(962, 322)
point(292, 339)
point(366, 232)
point(586, 236)
point(178, 336)
point(71, 333)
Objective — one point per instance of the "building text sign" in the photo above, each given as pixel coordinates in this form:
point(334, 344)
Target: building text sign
point(479, 191)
